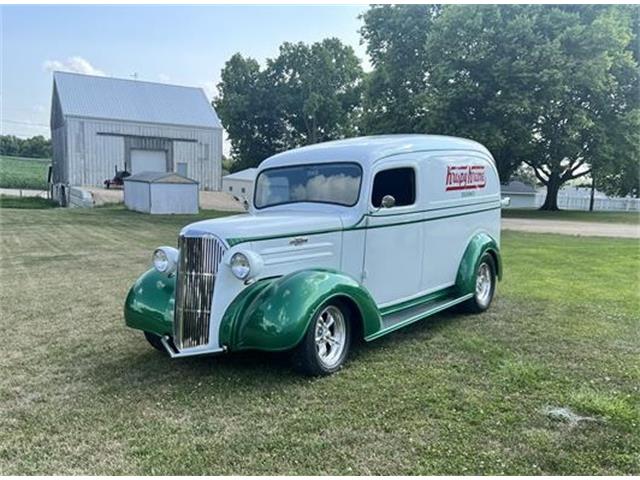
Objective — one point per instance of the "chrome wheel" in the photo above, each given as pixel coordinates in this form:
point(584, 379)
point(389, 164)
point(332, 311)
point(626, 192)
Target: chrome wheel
point(484, 285)
point(330, 336)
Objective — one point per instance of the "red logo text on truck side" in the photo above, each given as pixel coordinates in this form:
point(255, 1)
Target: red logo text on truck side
point(465, 177)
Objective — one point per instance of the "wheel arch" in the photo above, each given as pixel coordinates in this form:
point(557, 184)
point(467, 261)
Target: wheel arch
point(479, 244)
point(274, 314)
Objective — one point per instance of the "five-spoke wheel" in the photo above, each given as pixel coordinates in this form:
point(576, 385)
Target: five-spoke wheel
point(485, 285)
point(326, 344)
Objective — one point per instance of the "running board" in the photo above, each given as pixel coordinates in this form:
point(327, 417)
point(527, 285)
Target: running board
point(394, 321)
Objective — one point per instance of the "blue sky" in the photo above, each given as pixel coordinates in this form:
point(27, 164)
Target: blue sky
point(185, 45)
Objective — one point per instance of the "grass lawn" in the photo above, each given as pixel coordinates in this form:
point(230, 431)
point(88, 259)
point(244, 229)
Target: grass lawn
point(575, 215)
point(456, 394)
point(27, 173)
point(9, 201)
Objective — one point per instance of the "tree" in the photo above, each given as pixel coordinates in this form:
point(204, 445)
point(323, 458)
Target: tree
point(34, 147)
point(586, 95)
point(249, 113)
point(395, 37)
point(305, 95)
point(553, 86)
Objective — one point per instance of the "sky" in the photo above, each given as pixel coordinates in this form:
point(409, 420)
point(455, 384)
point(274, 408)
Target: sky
point(184, 45)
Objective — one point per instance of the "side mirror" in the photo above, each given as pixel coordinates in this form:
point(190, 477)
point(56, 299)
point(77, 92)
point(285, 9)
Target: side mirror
point(388, 201)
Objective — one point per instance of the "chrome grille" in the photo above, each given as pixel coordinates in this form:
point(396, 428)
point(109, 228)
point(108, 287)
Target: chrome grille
point(196, 277)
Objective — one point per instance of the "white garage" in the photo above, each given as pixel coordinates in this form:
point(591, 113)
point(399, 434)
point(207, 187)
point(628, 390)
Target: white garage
point(161, 193)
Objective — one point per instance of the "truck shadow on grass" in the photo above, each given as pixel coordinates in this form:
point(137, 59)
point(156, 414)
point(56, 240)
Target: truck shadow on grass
point(146, 367)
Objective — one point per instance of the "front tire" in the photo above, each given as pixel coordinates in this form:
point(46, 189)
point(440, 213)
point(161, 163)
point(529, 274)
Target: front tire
point(325, 346)
point(485, 286)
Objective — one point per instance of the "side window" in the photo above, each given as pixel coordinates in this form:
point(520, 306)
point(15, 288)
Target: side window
point(398, 182)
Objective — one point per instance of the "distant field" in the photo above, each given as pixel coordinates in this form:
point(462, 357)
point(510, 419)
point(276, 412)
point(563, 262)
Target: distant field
point(19, 172)
point(574, 215)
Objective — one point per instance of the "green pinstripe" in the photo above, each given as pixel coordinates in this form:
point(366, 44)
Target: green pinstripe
point(236, 241)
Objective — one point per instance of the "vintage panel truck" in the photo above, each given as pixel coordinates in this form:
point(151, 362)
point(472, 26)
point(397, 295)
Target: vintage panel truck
point(345, 239)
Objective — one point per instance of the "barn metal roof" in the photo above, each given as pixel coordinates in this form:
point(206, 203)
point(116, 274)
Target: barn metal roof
point(133, 100)
point(158, 177)
point(246, 174)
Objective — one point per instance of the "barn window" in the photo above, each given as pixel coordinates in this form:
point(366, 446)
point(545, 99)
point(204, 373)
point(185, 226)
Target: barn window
point(181, 168)
point(230, 188)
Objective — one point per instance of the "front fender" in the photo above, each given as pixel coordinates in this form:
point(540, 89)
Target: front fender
point(149, 304)
point(477, 247)
point(274, 314)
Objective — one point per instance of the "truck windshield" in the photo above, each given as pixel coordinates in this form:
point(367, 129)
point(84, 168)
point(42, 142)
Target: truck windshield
point(337, 183)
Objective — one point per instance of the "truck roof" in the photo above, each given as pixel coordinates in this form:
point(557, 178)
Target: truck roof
point(372, 148)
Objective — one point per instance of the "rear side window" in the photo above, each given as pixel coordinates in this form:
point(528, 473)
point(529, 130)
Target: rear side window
point(397, 182)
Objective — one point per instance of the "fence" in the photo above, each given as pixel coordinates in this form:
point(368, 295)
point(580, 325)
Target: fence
point(580, 202)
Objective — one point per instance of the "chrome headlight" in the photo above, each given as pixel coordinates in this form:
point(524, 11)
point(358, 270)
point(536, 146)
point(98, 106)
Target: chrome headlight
point(245, 264)
point(165, 259)
point(240, 265)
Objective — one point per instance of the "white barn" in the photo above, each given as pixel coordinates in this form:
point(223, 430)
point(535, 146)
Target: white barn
point(99, 124)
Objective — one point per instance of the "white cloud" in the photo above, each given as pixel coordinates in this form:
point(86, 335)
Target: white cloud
point(164, 78)
point(72, 64)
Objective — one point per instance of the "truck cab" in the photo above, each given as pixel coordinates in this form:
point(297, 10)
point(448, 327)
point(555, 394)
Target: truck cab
point(348, 238)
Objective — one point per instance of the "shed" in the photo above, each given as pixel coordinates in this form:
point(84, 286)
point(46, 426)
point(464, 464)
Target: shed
point(100, 124)
point(161, 193)
point(240, 184)
point(522, 195)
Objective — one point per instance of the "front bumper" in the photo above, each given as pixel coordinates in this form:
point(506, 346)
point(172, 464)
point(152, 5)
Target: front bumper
point(174, 353)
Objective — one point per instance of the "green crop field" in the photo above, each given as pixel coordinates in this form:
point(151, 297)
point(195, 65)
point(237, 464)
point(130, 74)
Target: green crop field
point(27, 173)
point(455, 394)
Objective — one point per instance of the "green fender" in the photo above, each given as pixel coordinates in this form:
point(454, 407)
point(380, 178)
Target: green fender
point(274, 314)
point(149, 304)
point(477, 247)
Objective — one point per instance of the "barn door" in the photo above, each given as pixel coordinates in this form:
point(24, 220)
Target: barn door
point(148, 161)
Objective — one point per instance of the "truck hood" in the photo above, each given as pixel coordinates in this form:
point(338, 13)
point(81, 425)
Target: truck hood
point(249, 227)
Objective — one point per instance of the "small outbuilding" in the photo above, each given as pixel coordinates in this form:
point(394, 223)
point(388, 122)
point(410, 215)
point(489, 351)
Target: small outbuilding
point(522, 195)
point(161, 193)
point(240, 184)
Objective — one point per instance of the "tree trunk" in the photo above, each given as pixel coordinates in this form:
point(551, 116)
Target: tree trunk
point(593, 192)
point(551, 200)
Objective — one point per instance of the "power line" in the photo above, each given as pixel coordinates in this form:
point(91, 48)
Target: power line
point(17, 122)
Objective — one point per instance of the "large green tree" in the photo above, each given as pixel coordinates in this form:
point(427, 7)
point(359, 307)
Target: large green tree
point(395, 37)
point(307, 94)
point(553, 86)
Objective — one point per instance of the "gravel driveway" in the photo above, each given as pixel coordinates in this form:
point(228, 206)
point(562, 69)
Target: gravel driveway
point(586, 229)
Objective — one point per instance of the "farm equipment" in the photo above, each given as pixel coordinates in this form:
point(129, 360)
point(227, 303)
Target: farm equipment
point(118, 179)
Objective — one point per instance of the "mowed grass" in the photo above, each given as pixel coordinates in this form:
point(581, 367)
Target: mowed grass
point(456, 394)
point(26, 173)
point(574, 215)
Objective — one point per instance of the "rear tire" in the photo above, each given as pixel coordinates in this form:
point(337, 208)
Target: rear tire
point(154, 341)
point(485, 286)
point(325, 346)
